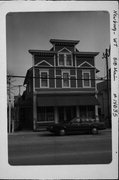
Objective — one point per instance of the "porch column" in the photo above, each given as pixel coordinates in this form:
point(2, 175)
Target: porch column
point(77, 111)
point(56, 114)
point(96, 113)
point(34, 112)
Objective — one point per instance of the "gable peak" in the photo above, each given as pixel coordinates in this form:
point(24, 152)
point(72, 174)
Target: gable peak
point(64, 50)
point(85, 64)
point(43, 63)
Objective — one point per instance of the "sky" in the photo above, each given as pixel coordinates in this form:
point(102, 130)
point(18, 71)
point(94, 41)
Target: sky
point(26, 31)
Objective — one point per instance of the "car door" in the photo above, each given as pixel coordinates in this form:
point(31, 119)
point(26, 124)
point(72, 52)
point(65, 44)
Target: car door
point(73, 126)
point(84, 127)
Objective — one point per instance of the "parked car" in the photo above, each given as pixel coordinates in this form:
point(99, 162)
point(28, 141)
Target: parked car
point(76, 126)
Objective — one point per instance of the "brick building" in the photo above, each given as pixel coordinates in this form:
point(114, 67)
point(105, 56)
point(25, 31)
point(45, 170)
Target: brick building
point(61, 84)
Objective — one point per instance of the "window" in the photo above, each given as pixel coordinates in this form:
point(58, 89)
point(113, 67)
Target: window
point(68, 60)
point(65, 79)
point(44, 82)
point(65, 59)
point(87, 113)
point(45, 114)
point(83, 113)
point(86, 79)
point(91, 112)
point(61, 59)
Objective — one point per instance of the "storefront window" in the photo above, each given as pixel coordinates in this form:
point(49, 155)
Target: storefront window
point(50, 114)
point(87, 113)
point(66, 113)
point(45, 114)
point(83, 113)
point(91, 112)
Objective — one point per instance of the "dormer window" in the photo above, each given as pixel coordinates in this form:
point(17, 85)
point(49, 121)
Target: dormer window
point(65, 59)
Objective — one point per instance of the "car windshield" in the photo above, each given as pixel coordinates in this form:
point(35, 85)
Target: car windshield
point(79, 120)
point(75, 120)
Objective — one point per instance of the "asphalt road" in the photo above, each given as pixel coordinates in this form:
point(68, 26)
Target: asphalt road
point(46, 149)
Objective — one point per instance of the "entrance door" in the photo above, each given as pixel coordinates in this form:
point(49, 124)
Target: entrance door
point(67, 113)
point(61, 114)
point(70, 113)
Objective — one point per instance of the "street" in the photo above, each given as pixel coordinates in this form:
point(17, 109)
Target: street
point(43, 148)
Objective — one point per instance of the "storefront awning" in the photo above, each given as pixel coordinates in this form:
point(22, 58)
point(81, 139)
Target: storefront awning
point(67, 100)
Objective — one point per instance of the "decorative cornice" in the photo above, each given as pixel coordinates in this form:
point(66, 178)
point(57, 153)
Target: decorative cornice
point(42, 52)
point(86, 54)
point(63, 42)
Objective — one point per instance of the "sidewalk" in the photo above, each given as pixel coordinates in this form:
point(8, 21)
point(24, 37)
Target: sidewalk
point(25, 132)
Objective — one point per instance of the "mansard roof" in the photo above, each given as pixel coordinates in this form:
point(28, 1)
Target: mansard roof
point(63, 42)
point(51, 52)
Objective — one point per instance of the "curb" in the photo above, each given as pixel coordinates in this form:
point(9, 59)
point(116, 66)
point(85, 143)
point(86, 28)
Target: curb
point(40, 132)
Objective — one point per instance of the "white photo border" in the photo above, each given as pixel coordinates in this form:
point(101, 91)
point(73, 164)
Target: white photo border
point(106, 171)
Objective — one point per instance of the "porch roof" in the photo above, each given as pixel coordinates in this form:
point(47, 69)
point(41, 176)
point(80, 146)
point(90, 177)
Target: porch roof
point(67, 100)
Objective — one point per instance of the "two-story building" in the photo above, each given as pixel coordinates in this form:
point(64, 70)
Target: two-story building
point(62, 84)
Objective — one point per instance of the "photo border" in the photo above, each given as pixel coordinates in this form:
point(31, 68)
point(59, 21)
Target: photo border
point(106, 171)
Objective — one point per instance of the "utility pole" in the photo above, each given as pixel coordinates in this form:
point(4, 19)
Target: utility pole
point(106, 55)
point(10, 103)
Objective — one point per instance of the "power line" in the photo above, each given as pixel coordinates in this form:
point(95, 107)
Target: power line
point(72, 77)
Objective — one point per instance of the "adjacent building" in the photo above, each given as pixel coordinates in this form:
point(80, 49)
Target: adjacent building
point(61, 85)
point(104, 98)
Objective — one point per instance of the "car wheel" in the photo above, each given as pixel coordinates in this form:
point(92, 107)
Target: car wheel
point(94, 130)
point(62, 132)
